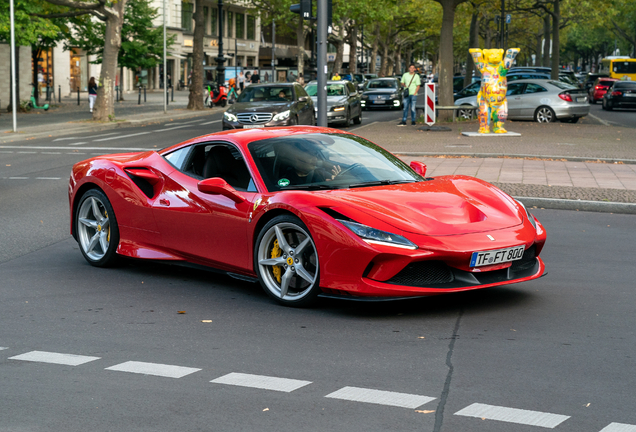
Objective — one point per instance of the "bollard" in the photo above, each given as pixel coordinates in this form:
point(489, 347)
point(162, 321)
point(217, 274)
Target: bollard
point(117, 93)
point(172, 97)
point(48, 93)
point(78, 96)
point(167, 97)
point(144, 94)
point(139, 98)
point(59, 94)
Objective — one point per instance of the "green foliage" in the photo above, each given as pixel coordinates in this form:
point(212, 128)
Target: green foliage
point(29, 29)
point(141, 43)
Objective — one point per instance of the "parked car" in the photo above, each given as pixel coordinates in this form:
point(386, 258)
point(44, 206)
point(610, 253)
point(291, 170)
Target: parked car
point(599, 88)
point(306, 212)
point(370, 76)
point(458, 82)
point(344, 102)
point(542, 101)
point(265, 105)
point(382, 93)
point(622, 94)
point(468, 91)
point(517, 75)
point(591, 79)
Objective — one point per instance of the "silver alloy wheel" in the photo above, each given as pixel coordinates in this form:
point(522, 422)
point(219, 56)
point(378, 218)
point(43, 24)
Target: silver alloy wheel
point(93, 228)
point(288, 261)
point(464, 113)
point(544, 115)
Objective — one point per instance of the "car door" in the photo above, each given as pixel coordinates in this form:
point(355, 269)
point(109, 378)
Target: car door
point(354, 100)
point(305, 106)
point(533, 96)
point(513, 96)
point(202, 226)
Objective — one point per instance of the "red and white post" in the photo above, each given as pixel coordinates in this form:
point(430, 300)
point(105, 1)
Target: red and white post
point(429, 109)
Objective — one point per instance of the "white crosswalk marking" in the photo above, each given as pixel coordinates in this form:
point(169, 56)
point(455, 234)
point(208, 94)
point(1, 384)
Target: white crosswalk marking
point(261, 382)
point(619, 427)
point(55, 358)
point(121, 136)
point(513, 415)
point(380, 397)
point(156, 369)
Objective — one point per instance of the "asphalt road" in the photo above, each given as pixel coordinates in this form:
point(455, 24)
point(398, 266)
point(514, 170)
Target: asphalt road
point(555, 352)
point(623, 117)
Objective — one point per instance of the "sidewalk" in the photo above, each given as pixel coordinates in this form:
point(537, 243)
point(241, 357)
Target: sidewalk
point(555, 165)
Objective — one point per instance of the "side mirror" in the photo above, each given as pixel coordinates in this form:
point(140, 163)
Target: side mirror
point(303, 99)
point(419, 167)
point(218, 186)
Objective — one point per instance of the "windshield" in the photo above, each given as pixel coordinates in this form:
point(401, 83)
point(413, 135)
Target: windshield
point(382, 84)
point(332, 90)
point(327, 161)
point(312, 89)
point(563, 85)
point(266, 93)
point(624, 67)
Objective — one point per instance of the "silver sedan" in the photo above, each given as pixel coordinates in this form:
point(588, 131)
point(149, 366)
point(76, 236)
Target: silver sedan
point(540, 100)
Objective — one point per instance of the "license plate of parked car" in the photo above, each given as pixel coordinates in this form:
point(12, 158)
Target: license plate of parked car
point(581, 99)
point(378, 102)
point(499, 256)
point(252, 126)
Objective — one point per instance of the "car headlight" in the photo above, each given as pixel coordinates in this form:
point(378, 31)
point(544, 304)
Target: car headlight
point(338, 108)
point(365, 96)
point(229, 117)
point(528, 214)
point(281, 116)
point(376, 236)
point(393, 95)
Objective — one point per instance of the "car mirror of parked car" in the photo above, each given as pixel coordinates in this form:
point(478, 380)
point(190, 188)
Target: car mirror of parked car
point(419, 167)
point(303, 99)
point(218, 186)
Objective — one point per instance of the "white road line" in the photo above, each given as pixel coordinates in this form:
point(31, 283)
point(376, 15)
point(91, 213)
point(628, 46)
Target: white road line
point(363, 126)
point(156, 369)
point(51, 152)
point(210, 122)
point(513, 415)
point(5, 151)
point(380, 397)
point(48, 178)
point(603, 122)
point(3, 348)
point(79, 143)
point(183, 123)
point(83, 148)
point(619, 427)
point(55, 358)
point(29, 152)
point(170, 128)
point(121, 136)
point(76, 153)
point(261, 382)
point(92, 136)
point(18, 178)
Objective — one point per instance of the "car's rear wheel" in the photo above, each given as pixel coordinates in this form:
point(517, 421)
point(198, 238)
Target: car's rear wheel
point(609, 106)
point(97, 231)
point(293, 121)
point(544, 114)
point(286, 261)
point(358, 120)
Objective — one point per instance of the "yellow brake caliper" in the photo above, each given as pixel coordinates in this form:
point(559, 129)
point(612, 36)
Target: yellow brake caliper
point(276, 252)
point(108, 236)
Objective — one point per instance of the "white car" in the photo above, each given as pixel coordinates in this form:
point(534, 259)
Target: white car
point(539, 100)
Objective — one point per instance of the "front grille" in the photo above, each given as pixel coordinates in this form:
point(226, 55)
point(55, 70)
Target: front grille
point(254, 118)
point(423, 274)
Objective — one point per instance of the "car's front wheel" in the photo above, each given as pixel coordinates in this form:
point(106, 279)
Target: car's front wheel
point(286, 261)
point(97, 231)
point(544, 114)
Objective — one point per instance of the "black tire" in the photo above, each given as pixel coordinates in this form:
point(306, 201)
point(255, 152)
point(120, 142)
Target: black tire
point(609, 106)
point(348, 118)
point(224, 103)
point(358, 120)
point(544, 114)
point(603, 105)
point(93, 216)
point(291, 283)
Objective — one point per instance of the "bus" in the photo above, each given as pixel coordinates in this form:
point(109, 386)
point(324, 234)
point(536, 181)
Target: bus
point(619, 67)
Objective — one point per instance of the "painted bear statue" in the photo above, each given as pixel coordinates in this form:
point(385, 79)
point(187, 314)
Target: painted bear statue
point(493, 106)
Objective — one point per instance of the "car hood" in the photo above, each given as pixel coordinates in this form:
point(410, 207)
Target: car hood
point(448, 205)
point(270, 107)
point(331, 100)
point(381, 91)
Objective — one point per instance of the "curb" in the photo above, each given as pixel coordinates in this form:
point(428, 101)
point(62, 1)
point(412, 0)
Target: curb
point(519, 156)
point(72, 128)
point(579, 205)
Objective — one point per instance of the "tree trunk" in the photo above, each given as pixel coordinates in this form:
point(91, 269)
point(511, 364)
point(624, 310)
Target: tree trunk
point(195, 98)
point(546, 41)
point(473, 42)
point(353, 48)
point(374, 49)
point(337, 64)
point(385, 60)
point(445, 87)
point(556, 18)
point(105, 104)
point(300, 43)
point(397, 64)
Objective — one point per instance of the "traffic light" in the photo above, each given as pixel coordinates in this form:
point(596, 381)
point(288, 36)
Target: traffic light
point(303, 8)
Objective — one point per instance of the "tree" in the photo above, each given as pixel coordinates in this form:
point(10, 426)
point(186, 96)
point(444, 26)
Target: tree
point(112, 14)
point(195, 98)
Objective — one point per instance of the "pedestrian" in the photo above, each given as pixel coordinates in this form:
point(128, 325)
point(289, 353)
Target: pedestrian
point(300, 80)
point(92, 93)
point(169, 81)
point(256, 78)
point(411, 82)
point(336, 77)
point(248, 78)
point(241, 81)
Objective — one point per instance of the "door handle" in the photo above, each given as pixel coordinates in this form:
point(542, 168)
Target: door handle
point(164, 202)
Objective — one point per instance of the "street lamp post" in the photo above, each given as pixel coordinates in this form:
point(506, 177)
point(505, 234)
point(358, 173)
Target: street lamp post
point(13, 69)
point(165, 70)
point(220, 69)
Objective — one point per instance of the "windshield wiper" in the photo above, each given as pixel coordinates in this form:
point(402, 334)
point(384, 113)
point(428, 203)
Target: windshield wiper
point(310, 187)
point(381, 183)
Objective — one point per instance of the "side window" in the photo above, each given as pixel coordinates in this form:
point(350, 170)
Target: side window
point(514, 89)
point(178, 157)
point(351, 87)
point(220, 160)
point(534, 88)
point(300, 91)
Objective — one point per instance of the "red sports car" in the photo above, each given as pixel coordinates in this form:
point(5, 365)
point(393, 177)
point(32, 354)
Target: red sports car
point(308, 211)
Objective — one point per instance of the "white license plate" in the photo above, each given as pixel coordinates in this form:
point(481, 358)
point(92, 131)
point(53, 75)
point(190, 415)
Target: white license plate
point(379, 102)
point(630, 94)
point(581, 99)
point(498, 256)
point(252, 126)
